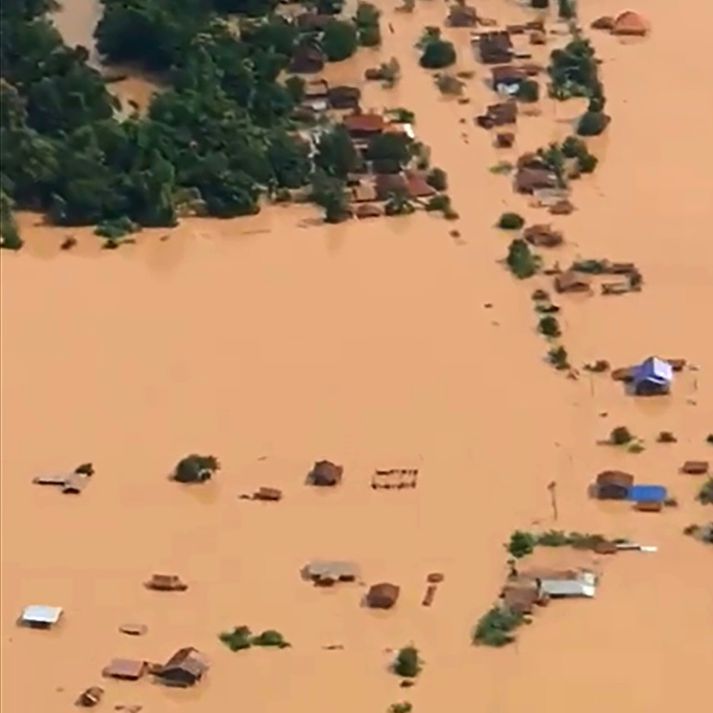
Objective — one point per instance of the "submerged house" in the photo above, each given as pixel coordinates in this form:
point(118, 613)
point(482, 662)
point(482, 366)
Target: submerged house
point(382, 596)
point(584, 586)
point(506, 79)
point(652, 377)
point(613, 485)
point(495, 47)
point(185, 668)
point(40, 616)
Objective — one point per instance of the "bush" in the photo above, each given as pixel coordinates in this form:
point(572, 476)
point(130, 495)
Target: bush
point(116, 228)
point(398, 203)
point(495, 627)
point(9, 234)
point(567, 9)
point(520, 260)
point(574, 147)
point(709, 439)
point(592, 123)
point(370, 36)
point(539, 4)
point(442, 202)
point(404, 707)
point(448, 84)
point(528, 91)
point(549, 326)
point(270, 638)
point(438, 179)
point(196, 468)
point(705, 494)
point(511, 221)
point(408, 663)
point(237, 639)
point(521, 544)
point(620, 436)
point(587, 163)
point(296, 88)
point(553, 538)
point(339, 41)
point(438, 54)
point(559, 358)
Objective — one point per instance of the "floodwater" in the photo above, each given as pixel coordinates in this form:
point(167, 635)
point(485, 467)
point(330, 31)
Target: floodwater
point(272, 343)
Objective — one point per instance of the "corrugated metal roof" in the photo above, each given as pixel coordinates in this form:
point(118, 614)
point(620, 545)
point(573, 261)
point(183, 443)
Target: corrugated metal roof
point(567, 588)
point(647, 493)
point(334, 569)
point(41, 614)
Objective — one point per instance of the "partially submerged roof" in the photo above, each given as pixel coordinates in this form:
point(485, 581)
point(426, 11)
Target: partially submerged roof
point(127, 669)
point(187, 659)
point(615, 477)
point(654, 370)
point(567, 588)
point(337, 570)
point(647, 493)
point(364, 123)
point(382, 596)
point(41, 614)
point(630, 23)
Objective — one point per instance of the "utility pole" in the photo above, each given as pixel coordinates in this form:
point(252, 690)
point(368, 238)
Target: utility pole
point(552, 487)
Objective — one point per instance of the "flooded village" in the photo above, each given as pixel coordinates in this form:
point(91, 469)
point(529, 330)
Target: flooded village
point(445, 439)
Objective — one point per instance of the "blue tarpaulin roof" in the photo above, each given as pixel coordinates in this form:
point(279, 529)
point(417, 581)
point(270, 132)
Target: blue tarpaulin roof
point(647, 493)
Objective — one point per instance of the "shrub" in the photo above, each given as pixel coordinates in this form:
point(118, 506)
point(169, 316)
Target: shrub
point(574, 147)
point(587, 163)
point(339, 41)
point(520, 260)
point(705, 494)
point(592, 123)
point(528, 91)
point(495, 627)
point(404, 707)
point(438, 54)
point(549, 326)
point(539, 4)
point(553, 538)
point(567, 9)
point(448, 84)
point(559, 358)
point(709, 439)
point(511, 221)
point(620, 436)
point(237, 639)
point(408, 663)
point(296, 88)
point(270, 638)
point(442, 202)
point(196, 468)
point(438, 179)
point(370, 36)
point(521, 544)
point(116, 228)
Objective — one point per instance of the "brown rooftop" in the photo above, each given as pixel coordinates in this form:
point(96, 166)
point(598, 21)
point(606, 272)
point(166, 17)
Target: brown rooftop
point(364, 123)
point(382, 596)
point(184, 668)
point(126, 669)
point(326, 473)
point(572, 281)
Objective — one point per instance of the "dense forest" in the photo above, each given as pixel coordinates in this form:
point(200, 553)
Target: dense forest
point(221, 133)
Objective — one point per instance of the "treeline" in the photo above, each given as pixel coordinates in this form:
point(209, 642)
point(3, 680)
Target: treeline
point(221, 133)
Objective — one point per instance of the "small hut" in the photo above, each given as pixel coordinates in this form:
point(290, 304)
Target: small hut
point(495, 47)
point(520, 598)
point(543, 236)
point(166, 583)
point(462, 15)
point(325, 474)
point(368, 210)
point(307, 60)
point(185, 668)
point(603, 23)
point(630, 24)
point(382, 596)
point(364, 126)
point(90, 697)
point(652, 377)
point(529, 180)
point(125, 669)
point(504, 140)
point(695, 467)
point(613, 485)
point(344, 97)
point(572, 281)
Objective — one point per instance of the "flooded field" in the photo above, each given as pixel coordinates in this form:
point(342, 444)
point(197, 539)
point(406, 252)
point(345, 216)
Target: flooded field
point(273, 342)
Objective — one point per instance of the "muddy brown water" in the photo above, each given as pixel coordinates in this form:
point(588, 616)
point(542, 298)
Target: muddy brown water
point(271, 345)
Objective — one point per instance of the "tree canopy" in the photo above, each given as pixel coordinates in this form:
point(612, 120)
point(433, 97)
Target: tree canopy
point(220, 130)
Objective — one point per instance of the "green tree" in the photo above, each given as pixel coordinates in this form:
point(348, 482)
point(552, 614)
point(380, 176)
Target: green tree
point(339, 41)
point(528, 91)
point(521, 544)
point(592, 123)
point(438, 54)
point(9, 234)
point(408, 663)
point(549, 326)
point(296, 88)
point(511, 221)
point(329, 192)
point(336, 153)
point(289, 158)
point(438, 179)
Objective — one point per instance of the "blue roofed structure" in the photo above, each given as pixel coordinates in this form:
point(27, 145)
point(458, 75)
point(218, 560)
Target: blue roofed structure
point(647, 493)
point(653, 376)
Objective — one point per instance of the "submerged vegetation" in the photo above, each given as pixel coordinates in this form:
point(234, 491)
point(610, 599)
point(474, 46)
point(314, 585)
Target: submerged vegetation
point(220, 129)
point(521, 260)
point(240, 638)
point(408, 663)
point(524, 543)
point(497, 626)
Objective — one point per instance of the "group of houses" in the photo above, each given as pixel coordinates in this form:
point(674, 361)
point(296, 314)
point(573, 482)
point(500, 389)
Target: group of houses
point(524, 590)
point(618, 485)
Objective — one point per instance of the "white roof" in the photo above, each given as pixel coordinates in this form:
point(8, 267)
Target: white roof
point(41, 614)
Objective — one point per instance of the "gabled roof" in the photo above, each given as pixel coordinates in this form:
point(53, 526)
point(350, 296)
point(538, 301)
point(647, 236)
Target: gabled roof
point(655, 370)
point(567, 588)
